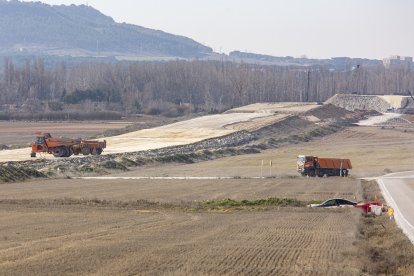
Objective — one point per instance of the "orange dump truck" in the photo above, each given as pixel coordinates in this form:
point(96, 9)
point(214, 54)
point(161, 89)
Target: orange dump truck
point(315, 166)
point(64, 147)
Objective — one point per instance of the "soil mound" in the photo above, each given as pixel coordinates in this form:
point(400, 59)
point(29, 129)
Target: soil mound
point(329, 112)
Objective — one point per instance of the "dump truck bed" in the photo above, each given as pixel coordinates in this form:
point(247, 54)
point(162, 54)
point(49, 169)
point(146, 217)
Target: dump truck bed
point(333, 163)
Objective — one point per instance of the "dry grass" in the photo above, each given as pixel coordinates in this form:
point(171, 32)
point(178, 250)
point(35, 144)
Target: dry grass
point(304, 189)
point(383, 247)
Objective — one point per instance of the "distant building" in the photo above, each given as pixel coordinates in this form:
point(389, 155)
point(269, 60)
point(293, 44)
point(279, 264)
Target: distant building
point(398, 62)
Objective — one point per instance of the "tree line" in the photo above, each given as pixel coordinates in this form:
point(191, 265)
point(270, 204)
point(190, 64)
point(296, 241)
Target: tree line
point(176, 87)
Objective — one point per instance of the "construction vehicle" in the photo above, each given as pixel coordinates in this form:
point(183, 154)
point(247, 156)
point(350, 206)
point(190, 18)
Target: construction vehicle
point(65, 147)
point(315, 166)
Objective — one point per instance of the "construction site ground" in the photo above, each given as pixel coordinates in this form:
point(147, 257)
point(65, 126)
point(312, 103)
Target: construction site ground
point(150, 226)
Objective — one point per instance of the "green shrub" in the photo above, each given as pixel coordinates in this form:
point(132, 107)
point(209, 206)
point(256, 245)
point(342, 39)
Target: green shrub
point(272, 201)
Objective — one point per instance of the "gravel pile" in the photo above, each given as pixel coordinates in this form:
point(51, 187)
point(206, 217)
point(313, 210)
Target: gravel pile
point(359, 102)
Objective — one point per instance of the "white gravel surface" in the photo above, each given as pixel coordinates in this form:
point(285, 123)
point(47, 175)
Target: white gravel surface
point(377, 120)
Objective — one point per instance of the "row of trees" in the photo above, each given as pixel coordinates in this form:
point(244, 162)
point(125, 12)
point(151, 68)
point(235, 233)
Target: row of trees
point(184, 85)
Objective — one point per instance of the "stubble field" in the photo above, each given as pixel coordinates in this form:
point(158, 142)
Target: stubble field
point(128, 242)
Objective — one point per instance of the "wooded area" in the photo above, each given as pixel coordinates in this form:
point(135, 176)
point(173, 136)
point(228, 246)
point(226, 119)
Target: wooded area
point(177, 87)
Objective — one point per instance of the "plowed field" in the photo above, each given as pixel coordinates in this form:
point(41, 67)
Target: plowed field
point(128, 242)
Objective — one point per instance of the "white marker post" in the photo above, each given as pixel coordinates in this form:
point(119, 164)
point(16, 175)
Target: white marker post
point(270, 168)
point(261, 170)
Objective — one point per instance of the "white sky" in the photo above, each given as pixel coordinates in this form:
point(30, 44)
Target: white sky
point(315, 28)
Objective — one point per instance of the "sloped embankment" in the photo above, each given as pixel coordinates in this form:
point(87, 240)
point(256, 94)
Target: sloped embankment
point(10, 173)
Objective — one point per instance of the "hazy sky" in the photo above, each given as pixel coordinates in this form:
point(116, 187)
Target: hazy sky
point(315, 28)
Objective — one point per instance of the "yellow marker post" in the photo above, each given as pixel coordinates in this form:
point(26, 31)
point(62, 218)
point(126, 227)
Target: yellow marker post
point(391, 213)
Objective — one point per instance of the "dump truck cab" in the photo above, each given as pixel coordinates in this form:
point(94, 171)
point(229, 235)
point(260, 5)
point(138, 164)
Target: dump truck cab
point(40, 145)
point(306, 164)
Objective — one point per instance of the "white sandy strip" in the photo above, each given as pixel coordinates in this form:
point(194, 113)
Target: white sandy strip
point(180, 133)
point(375, 120)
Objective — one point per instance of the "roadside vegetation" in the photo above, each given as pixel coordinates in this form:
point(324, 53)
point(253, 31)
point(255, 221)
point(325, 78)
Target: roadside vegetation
point(215, 204)
point(383, 248)
point(272, 201)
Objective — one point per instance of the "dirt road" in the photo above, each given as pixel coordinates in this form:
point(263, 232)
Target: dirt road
point(181, 133)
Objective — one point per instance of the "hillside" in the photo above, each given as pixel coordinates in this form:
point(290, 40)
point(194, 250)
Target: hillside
point(41, 29)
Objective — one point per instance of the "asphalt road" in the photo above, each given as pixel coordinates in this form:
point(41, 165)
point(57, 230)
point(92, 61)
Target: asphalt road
point(398, 191)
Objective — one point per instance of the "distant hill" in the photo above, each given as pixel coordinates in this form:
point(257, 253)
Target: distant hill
point(41, 29)
point(336, 63)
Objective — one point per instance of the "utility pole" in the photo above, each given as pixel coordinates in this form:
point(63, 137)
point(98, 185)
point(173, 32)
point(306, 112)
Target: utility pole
point(308, 86)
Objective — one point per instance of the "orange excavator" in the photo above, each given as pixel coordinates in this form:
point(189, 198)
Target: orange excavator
point(65, 147)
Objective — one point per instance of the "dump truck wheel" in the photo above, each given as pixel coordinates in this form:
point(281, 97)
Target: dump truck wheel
point(60, 152)
point(85, 151)
point(33, 154)
point(320, 174)
point(99, 151)
point(69, 152)
point(94, 151)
